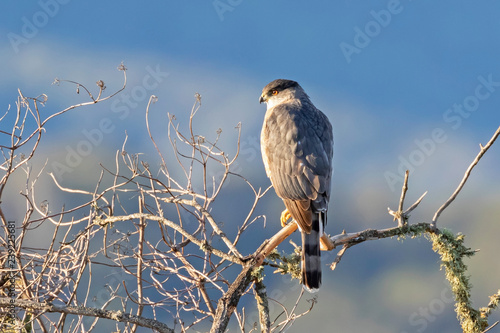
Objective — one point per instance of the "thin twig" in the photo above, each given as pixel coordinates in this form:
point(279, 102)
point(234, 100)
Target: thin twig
point(466, 176)
point(412, 207)
point(493, 325)
point(402, 199)
point(339, 256)
point(202, 244)
point(401, 216)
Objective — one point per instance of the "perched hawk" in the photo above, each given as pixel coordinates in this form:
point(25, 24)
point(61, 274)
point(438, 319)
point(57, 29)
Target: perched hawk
point(297, 149)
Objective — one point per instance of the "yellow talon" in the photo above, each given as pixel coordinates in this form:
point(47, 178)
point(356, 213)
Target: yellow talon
point(285, 216)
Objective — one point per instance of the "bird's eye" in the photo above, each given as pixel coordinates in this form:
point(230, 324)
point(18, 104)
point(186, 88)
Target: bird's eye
point(274, 92)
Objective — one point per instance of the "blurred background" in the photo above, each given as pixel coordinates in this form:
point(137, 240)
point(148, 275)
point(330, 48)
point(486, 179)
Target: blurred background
point(407, 85)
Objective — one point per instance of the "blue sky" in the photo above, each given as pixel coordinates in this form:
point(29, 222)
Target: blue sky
point(406, 84)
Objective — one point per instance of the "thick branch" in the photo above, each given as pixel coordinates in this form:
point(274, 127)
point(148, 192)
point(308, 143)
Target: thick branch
point(118, 316)
point(262, 306)
point(227, 303)
point(276, 240)
point(354, 238)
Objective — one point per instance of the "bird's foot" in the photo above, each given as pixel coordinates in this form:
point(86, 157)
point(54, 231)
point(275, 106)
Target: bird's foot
point(285, 216)
point(326, 243)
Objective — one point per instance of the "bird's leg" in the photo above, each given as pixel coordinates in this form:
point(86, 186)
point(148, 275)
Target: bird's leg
point(285, 216)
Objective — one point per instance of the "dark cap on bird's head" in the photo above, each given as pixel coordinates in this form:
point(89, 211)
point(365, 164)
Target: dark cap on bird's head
point(274, 87)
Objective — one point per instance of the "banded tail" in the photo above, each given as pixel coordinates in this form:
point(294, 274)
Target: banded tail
point(311, 255)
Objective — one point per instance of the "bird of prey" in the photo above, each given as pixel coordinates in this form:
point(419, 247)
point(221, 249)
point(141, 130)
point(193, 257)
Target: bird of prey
point(297, 150)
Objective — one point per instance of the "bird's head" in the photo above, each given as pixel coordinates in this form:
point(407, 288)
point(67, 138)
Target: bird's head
point(280, 91)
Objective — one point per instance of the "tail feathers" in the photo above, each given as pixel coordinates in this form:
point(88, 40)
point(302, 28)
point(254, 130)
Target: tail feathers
point(311, 256)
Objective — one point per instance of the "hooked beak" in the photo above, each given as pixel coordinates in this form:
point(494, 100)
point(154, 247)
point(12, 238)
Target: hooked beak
point(261, 99)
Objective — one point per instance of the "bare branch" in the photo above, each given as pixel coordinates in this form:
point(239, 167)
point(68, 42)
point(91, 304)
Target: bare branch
point(274, 241)
point(339, 256)
point(482, 151)
point(399, 215)
point(202, 244)
point(228, 302)
point(118, 316)
point(412, 207)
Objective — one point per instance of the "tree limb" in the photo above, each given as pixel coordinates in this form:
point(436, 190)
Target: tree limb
point(262, 306)
point(227, 303)
point(118, 316)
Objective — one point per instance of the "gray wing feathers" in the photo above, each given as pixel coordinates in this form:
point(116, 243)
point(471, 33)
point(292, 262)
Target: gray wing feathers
point(288, 136)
